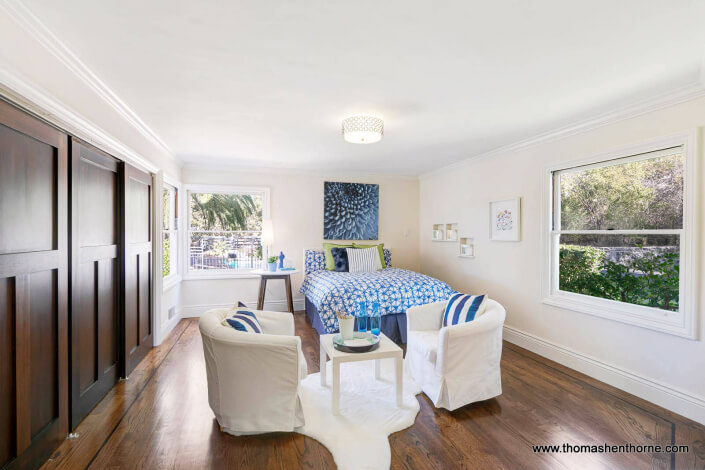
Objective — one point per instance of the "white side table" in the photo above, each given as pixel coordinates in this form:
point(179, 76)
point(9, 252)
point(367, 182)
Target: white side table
point(265, 275)
point(387, 349)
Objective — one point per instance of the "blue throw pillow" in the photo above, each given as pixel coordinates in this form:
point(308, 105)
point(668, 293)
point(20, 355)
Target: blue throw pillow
point(340, 259)
point(463, 308)
point(244, 321)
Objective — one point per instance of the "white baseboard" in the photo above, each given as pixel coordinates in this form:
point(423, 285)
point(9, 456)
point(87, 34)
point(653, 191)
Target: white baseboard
point(272, 305)
point(166, 328)
point(678, 401)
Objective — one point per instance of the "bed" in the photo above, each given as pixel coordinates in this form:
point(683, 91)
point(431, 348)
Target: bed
point(395, 289)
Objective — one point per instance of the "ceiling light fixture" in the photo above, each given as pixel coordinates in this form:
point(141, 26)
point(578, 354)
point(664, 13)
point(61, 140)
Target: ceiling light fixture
point(363, 129)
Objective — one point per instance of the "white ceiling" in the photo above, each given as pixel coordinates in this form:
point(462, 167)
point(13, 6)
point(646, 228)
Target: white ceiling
point(266, 83)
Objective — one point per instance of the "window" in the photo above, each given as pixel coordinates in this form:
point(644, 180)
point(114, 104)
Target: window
point(169, 231)
point(619, 239)
point(225, 229)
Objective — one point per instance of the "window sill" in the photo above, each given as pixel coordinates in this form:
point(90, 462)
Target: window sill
point(170, 281)
point(646, 317)
point(245, 274)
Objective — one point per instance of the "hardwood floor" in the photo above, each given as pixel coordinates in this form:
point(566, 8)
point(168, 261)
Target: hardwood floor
point(160, 418)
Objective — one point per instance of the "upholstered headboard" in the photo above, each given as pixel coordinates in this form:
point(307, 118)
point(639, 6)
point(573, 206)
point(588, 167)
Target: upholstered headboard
point(315, 260)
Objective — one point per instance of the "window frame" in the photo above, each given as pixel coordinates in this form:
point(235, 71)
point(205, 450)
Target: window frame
point(245, 273)
point(681, 323)
point(174, 276)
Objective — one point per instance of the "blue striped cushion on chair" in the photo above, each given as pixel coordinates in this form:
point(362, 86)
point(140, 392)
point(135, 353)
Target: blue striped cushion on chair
point(463, 308)
point(244, 321)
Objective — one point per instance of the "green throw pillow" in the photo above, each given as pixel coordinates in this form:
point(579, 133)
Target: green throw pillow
point(380, 247)
point(330, 263)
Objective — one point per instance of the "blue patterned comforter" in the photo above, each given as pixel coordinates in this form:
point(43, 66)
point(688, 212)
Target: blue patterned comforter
point(395, 289)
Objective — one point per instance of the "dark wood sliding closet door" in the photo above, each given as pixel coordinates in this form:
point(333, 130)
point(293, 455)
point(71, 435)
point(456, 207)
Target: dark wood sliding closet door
point(33, 289)
point(95, 277)
point(138, 266)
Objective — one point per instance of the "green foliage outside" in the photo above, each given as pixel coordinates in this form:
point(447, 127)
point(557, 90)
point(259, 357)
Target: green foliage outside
point(166, 265)
point(651, 279)
point(166, 221)
point(226, 212)
point(166, 209)
point(640, 195)
point(634, 195)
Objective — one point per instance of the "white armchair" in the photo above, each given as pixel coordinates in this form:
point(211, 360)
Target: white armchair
point(253, 379)
point(458, 364)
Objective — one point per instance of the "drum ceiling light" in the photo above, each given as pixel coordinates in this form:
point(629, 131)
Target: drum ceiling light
point(363, 129)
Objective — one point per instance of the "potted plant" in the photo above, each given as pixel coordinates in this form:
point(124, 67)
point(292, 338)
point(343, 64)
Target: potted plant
point(272, 263)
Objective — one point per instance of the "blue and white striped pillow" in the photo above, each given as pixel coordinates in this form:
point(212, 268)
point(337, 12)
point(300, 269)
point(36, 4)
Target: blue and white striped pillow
point(244, 321)
point(363, 259)
point(463, 308)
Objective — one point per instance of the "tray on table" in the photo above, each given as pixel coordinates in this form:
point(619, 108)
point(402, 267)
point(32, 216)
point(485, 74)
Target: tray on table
point(360, 342)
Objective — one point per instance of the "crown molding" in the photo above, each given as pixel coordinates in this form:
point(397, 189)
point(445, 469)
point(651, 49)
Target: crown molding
point(28, 21)
point(680, 95)
point(292, 171)
point(20, 91)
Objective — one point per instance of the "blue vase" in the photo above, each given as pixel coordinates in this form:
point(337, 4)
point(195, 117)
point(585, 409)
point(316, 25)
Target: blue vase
point(362, 318)
point(375, 319)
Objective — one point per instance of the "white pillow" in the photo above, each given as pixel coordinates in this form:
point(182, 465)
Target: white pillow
point(363, 260)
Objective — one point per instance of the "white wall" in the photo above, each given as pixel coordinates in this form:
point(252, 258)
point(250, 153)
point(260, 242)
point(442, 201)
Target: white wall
point(659, 367)
point(171, 297)
point(296, 208)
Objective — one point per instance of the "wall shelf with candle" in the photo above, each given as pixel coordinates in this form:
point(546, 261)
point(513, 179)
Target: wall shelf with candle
point(466, 247)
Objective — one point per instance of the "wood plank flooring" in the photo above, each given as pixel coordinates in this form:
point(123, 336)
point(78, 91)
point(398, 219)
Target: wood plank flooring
point(160, 419)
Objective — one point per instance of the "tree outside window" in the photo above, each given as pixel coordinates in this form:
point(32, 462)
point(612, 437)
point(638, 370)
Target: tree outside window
point(618, 226)
point(225, 230)
point(169, 230)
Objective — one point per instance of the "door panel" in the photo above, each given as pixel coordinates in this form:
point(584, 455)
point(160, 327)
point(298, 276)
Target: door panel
point(7, 370)
point(27, 187)
point(95, 307)
point(138, 205)
point(138, 266)
point(43, 350)
point(98, 198)
point(144, 280)
point(83, 341)
point(33, 289)
point(108, 315)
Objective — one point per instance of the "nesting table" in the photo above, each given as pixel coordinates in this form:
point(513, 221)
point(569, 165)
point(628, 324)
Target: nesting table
point(387, 349)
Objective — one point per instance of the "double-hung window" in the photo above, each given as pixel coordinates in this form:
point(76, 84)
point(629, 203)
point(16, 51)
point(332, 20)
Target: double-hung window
point(620, 237)
point(170, 239)
point(225, 229)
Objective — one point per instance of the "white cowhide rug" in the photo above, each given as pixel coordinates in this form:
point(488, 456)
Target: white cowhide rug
point(358, 437)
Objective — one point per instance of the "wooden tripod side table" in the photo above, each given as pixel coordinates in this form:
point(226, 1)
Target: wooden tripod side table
point(266, 276)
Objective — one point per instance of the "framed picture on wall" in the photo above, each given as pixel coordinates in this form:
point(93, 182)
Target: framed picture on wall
point(505, 220)
point(350, 211)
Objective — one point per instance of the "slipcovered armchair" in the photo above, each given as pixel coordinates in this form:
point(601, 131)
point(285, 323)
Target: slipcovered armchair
point(459, 364)
point(253, 379)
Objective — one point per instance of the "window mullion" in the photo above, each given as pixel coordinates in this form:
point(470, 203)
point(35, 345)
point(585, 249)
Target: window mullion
point(678, 231)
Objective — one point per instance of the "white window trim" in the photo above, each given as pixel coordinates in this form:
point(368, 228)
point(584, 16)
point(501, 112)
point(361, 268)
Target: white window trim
point(174, 276)
point(682, 323)
point(189, 275)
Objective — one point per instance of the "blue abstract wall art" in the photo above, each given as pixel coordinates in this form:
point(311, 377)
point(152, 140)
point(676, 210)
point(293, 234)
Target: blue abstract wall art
point(350, 211)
